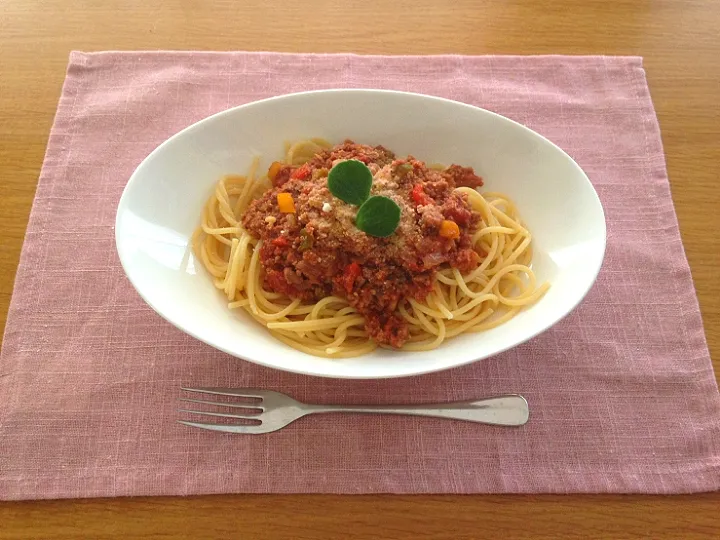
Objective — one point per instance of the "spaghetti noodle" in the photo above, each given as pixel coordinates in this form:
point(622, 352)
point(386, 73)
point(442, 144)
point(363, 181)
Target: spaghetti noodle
point(486, 296)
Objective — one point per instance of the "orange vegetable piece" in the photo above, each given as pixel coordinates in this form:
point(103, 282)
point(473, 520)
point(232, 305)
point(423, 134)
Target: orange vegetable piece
point(274, 169)
point(286, 203)
point(449, 229)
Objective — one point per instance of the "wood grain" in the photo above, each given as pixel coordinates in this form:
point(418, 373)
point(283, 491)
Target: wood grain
point(682, 57)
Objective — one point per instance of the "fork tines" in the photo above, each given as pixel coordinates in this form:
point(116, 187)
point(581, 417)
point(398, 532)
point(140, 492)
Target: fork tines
point(251, 419)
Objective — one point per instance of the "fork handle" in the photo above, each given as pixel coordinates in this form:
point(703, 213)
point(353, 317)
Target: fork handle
point(510, 410)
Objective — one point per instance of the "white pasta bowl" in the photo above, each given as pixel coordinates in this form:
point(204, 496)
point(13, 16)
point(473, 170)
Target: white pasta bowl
point(162, 203)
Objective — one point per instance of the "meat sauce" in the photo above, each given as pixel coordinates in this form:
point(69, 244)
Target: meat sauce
point(318, 251)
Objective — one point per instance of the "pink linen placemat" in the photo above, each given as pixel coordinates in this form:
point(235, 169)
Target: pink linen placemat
point(622, 392)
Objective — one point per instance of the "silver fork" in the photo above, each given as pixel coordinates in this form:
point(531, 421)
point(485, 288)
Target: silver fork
point(271, 411)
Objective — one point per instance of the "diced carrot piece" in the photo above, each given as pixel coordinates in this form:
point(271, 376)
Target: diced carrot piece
point(449, 229)
point(286, 203)
point(274, 169)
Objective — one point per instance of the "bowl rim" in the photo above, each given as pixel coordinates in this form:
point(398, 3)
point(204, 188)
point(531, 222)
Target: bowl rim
point(123, 203)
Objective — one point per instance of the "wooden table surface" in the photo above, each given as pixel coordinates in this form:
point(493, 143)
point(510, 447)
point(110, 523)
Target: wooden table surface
point(679, 40)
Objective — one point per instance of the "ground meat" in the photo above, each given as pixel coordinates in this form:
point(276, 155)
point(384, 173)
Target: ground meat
point(432, 216)
point(456, 208)
point(318, 251)
point(349, 150)
point(463, 176)
point(283, 175)
point(391, 329)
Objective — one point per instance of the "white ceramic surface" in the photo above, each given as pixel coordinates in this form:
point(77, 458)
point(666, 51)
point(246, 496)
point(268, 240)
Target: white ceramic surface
point(161, 207)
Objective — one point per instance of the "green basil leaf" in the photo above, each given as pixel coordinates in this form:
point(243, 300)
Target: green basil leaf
point(350, 181)
point(378, 216)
